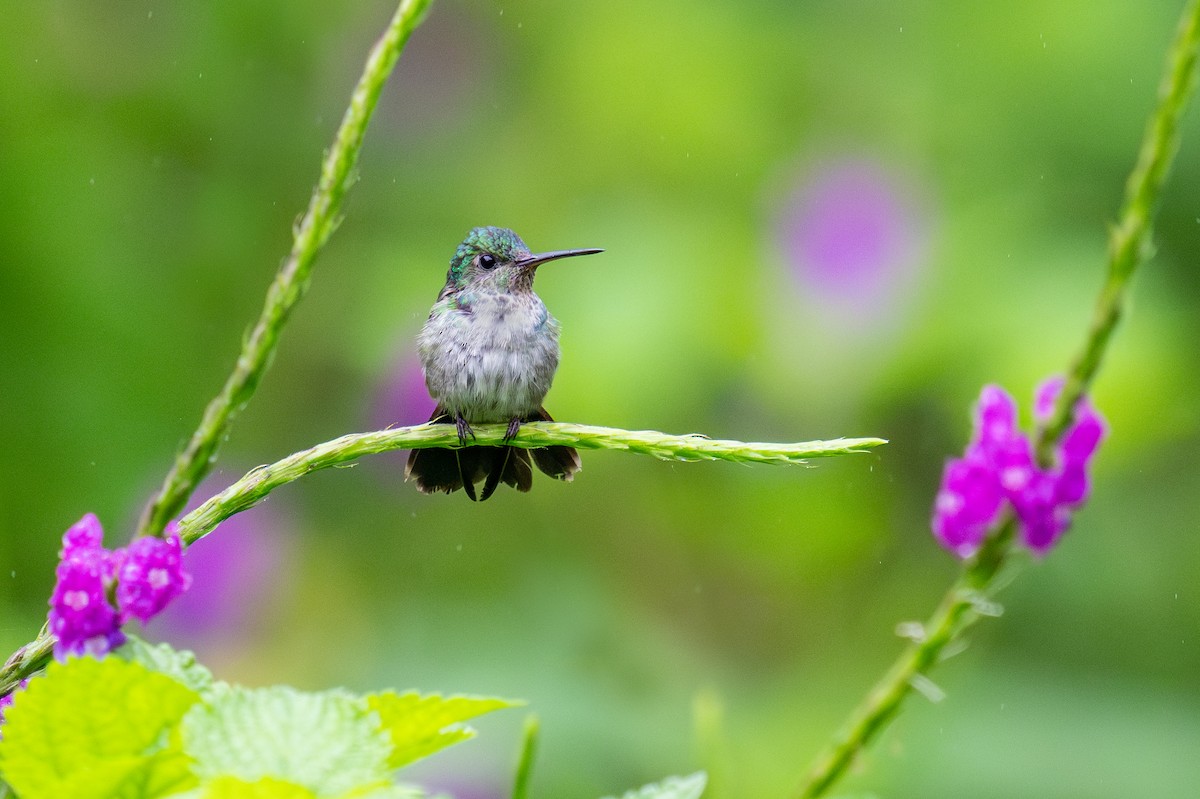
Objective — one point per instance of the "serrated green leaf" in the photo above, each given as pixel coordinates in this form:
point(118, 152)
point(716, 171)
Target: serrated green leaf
point(178, 664)
point(421, 725)
point(326, 742)
point(266, 788)
point(164, 774)
point(106, 779)
point(689, 787)
point(269, 788)
point(385, 792)
point(95, 728)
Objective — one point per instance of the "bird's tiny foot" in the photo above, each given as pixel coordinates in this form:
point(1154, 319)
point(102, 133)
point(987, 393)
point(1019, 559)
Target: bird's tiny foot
point(514, 426)
point(463, 428)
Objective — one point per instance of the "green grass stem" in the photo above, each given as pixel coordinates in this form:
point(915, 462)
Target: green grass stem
point(255, 485)
point(291, 282)
point(289, 286)
point(529, 746)
point(258, 483)
point(1129, 247)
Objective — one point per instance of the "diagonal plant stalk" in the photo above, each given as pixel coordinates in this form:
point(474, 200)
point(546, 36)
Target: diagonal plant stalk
point(291, 282)
point(289, 286)
point(256, 484)
point(529, 746)
point(967, 600)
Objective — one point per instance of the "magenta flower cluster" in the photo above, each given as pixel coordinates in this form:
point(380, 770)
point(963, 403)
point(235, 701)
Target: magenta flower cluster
point(1000, 470)
point(142, 579)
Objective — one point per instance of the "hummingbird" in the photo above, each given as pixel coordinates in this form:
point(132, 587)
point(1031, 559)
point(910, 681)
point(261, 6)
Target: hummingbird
point(489, 350)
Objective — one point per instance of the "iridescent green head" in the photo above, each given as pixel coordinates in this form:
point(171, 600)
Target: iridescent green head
point(499, 243)
point(497, 258)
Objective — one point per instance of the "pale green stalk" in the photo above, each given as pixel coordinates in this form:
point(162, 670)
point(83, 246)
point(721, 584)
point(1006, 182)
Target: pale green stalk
point(1129, 246)
point(253, 487)
point(256, 484)
point(1129, 242)
point(291, 282)
point(529, 742)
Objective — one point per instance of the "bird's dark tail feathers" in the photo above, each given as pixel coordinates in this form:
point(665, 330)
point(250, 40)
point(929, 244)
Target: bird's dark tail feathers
point(448, 470)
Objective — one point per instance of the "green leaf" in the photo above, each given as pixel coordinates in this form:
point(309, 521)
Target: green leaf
point(389, 792)
point(178, 664)
point(689, 787)
point(269, 788)
point(162, 774)
point(327, 743)
point(104, 779)
point(266, 788)
point(165, 774)
point(421, 725)
point(96, 728)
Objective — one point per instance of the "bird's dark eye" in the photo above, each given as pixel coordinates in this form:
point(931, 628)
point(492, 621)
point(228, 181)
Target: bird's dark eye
point(487, 261)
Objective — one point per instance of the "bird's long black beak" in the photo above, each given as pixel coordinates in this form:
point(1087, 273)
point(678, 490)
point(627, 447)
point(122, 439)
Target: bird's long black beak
point(531, 261)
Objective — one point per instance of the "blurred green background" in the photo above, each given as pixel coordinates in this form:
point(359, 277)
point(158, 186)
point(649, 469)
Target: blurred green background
point(820, 219)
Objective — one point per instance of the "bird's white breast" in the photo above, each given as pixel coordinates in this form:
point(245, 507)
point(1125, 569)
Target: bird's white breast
point(493, 362)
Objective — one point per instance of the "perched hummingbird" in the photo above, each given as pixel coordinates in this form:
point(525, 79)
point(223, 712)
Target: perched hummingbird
point(489, 351)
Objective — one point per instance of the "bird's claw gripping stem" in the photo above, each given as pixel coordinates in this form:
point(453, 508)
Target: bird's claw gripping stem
point(463, 428)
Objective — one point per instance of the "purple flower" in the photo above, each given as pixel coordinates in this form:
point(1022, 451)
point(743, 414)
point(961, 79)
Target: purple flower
point(999, 470)
point(1071, 486)
point(150, 574)
point(84, 534)
point(852, 236)
point(995, 418)
point(143, 578)
point(1045, 396)
point(1043, 517)
point(970, 498)
point(1081, 440)
point(81, 617)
